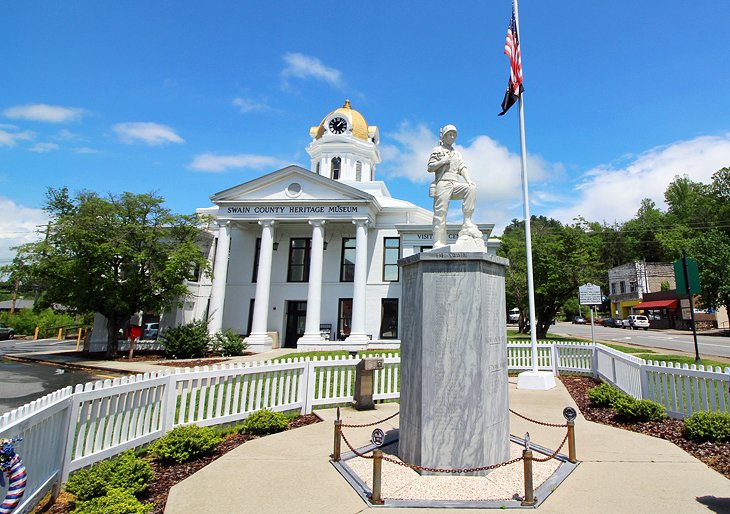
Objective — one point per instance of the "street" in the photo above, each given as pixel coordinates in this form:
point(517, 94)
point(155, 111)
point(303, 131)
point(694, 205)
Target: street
point(23, 382)
point(709, 346)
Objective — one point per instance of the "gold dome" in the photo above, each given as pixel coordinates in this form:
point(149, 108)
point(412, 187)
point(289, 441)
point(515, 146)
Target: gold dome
point(360, 127)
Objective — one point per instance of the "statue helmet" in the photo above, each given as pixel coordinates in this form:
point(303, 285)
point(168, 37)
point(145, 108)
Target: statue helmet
point(447, 129)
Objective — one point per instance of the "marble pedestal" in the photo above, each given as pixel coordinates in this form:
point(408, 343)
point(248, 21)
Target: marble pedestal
point(454, 404)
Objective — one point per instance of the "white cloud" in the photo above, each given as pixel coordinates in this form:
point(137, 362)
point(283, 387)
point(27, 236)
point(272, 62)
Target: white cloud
point(43, 147)
point(18, 225)
point(492, 166)
point(84, 150)
point(614, 192)
point(218, 163)
point(44, 112)
point(246, 105)
point(11, 138)
point(152, 134)
point(304, 67)
point(66, 135)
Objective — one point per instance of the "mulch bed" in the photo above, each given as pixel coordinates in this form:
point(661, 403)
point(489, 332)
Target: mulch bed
point(153, 356)
point(167, 476)
point(715, 455)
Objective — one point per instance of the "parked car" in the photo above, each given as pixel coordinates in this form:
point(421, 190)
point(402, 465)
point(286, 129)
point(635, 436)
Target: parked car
point(636, 321)
point(6, 332)
point(612, 322)
point(151, 331)
point(579, 320)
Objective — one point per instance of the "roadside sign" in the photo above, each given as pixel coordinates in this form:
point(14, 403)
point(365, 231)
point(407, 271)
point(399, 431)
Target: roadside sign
point(590, 294)
point(692, 272)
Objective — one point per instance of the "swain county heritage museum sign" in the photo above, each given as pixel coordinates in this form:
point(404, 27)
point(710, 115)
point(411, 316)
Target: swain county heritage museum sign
point(293, 211)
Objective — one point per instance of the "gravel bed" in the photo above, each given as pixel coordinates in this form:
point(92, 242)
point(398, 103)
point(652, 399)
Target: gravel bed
point(504, 483)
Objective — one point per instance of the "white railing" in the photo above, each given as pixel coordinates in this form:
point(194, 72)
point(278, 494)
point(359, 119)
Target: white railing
point(619, 369)
point(684, 390)
point(71, 429)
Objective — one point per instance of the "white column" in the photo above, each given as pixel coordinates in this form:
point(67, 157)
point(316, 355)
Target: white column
point(357, 333)
point(259, 340)
point(312, 335)
point(220, 273)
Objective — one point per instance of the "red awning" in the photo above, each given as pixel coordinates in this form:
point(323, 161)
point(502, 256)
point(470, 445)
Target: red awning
point(656, 304)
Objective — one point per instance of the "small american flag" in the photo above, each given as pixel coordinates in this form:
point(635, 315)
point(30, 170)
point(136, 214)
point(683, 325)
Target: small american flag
point(512, 50)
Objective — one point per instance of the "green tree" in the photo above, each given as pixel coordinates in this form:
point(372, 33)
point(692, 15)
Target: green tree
point(114, 255)
point(564, 257)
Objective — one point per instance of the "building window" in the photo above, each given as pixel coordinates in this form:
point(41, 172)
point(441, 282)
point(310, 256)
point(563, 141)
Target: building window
point(250, 316)
point(336, 166)
point(256, 254)
point(623, 286)
point(425, 248)
point(347, 266)
point(389, 318)
point(358, 171)
point(632, 286)
point(318, 168)
point(299, 253)
point(391, 254)
point(613, 287)
point(344, 318)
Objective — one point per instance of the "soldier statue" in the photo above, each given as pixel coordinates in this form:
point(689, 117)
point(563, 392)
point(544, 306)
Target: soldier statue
point(448, 168)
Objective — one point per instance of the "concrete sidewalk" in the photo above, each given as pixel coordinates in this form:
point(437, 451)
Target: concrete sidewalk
point(620, 471)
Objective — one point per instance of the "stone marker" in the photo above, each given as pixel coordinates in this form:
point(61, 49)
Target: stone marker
point(454, 404)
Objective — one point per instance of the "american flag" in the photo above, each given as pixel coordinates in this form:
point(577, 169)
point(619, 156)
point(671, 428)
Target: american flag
point(512, 50)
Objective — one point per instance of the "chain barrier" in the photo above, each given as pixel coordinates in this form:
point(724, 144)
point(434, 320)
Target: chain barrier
point(452, 471)
point(371, 424)
point(555, 425)
point(554, 453)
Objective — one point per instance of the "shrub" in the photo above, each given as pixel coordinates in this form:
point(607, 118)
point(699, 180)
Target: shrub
point(631, 409)
point(228, 343)
point(264, 422)
point(604, 395)
point(127, 471)
point(24, 321)
point(116, 501)
point(186, 341)
point(708, 426)
point(184, 443)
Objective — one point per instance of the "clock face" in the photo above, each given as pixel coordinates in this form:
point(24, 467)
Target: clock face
point(337, 125)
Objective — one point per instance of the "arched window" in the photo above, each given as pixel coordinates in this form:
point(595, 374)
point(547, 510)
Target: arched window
point(358, 171)
point(336, 166)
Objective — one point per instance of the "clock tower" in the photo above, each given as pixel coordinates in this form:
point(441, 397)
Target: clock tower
point(344, 147)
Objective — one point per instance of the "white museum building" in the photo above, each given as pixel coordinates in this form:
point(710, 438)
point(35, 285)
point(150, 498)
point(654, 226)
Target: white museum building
point(308, 258)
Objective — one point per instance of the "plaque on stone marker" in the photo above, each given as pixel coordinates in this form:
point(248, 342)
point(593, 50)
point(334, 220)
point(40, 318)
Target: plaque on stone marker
point(377, 437)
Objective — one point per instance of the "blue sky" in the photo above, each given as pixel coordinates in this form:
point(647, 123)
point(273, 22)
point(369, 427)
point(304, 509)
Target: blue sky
point(187, 99)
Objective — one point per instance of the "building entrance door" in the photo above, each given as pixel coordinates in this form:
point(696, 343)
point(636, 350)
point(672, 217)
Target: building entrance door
point(296, 316)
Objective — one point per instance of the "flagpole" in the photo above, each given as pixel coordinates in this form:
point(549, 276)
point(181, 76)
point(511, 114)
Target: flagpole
point(526, 201)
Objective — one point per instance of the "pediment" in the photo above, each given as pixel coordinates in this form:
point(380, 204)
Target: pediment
point(281, 186)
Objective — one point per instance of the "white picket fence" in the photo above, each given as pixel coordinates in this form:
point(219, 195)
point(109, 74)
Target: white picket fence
point(71, 429)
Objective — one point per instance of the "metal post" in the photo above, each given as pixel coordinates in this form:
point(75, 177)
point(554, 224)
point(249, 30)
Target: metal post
point(529, 488)
point(338, 440)
point(35, 336)
point(571, 442)
point(376, 498)
point(60, 334)
point(691, 306)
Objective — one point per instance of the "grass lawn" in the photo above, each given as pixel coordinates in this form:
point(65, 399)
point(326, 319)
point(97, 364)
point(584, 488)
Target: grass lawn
point(513, 335)
point(336, 353)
